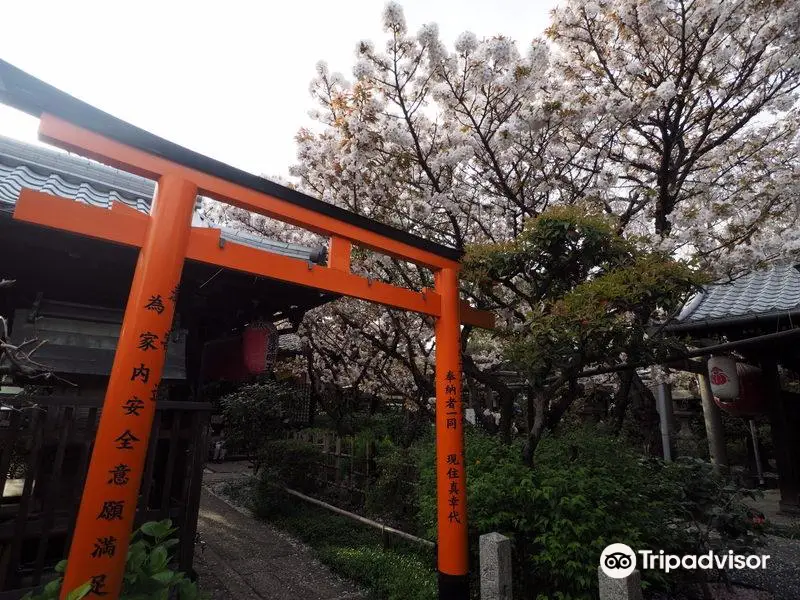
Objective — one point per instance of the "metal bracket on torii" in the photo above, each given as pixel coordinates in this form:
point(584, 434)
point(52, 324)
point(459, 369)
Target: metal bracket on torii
point(166, 239)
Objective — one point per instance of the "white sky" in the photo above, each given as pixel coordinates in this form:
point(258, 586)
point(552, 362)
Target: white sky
point(225, 78)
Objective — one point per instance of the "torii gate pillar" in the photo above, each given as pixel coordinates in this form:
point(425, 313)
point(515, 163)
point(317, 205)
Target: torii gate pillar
point(453, 555)
point(111, 492)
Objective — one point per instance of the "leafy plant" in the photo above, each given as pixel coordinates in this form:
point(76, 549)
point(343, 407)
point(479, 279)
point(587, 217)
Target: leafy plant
point(269, 497)
point(292, 462)
point(393, 496)
point(576, 294)
point(147, 574)
point(399, 572)
point(254, 411)
point(586, 491)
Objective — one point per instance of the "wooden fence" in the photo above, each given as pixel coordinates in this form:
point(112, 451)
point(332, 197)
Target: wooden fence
point(44, 456)
point(347, 466)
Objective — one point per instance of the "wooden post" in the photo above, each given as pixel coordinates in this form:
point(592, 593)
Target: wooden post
point(352, 463)
point(368, 454)
point(108, 506)
point(450, 480)
point(756, 451)
point(338, 460)
point(713, 419)
point(783, 418)
point(666, 418)
point(339, 254)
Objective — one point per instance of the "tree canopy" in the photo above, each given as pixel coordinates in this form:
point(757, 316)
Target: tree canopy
point(595, 177)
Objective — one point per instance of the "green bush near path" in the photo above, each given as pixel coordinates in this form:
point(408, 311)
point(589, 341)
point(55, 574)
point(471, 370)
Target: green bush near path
point(388, 574)
point(585, 491)
point(356, 552)
point(588, 490)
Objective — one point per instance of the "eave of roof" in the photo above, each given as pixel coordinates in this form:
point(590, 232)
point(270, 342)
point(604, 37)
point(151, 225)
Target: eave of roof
point(83, 180)
point(33, 96)
point(762, 296)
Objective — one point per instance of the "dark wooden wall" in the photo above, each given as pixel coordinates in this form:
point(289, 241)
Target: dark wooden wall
point(45, 446)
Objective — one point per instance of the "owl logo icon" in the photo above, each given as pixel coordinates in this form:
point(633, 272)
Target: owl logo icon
point(618, 561)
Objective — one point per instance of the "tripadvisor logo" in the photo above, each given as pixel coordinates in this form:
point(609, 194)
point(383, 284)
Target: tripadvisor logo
point(619, 560)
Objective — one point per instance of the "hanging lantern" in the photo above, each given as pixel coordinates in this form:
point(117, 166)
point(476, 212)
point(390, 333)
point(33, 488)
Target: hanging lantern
point(223, 360)
point(259, 347)
point(723, 377)
point(752, 399)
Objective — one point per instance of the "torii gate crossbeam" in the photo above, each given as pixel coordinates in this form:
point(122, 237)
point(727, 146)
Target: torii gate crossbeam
point(166, 238)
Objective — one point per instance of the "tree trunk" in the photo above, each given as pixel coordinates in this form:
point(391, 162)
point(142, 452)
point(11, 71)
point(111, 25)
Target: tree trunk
point(537, 403)
point(506, 394)
point(621, 401)
point(474, 394)
point(561, 406)
point(506, 414)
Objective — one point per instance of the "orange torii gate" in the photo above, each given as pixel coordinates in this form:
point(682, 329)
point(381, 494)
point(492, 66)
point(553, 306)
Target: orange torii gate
point(166, 239)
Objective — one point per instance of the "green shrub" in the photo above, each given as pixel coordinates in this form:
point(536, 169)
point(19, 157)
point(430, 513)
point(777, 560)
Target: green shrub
point(402, 572)
point(392, 495)
point(270, 499)
point(147, 574)
point(390, 575)
point(254, 411)
point(293, 463)
point(710, 505)
point(586, 491)
point(285, 463)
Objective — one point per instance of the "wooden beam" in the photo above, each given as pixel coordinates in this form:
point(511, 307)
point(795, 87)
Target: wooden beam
point(74, 138)
point(205, 248)
point(114, 225)
point(478, 318)
point(119, 225)
point(339, 254)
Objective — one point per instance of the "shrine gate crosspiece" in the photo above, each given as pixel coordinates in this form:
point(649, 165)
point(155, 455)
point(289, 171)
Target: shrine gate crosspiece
point(166, 239)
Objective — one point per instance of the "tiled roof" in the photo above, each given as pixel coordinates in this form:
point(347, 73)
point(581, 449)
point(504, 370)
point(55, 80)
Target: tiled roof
point(89, 182)
point(765, 292)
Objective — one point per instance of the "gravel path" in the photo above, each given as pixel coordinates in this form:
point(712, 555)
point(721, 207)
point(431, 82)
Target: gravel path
point(782, 575)
point(247, 559)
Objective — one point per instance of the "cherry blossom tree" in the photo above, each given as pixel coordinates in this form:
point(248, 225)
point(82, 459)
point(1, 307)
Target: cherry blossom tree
point(705, 150)
point(457, 146)
point(677, 119)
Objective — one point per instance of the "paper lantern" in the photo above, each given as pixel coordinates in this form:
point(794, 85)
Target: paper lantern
point(259, 347)
point(723, 377)
point(223, 360)
point(752, 397)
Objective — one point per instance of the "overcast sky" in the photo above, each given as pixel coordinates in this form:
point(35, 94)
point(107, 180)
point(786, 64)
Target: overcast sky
point(225, 78)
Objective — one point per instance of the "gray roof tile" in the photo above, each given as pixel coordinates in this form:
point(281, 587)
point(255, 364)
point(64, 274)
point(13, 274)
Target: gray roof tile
point(95, 184)
point(765, 291)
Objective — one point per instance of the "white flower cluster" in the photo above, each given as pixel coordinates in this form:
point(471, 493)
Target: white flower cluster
point(677, 119)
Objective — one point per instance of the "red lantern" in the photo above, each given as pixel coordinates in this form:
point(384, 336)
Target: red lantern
point(239, 357)
point(723, 377)
point(752, 399)
point(259, 347)
point(222, 360)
